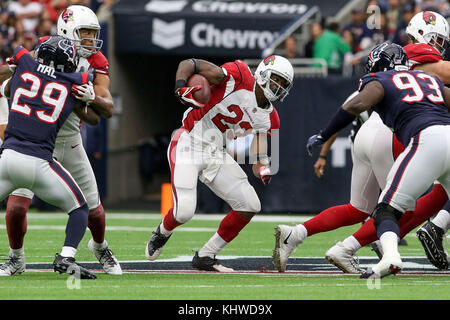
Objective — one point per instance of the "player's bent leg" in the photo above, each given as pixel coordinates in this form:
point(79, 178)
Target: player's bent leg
point(386, 224)
point(16, 219)
point(98, 245)
point(231, 185)
point(55, 185)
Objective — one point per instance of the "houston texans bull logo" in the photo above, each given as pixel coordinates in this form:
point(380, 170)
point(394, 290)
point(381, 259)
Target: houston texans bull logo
point(67, 15)
point(429, 17)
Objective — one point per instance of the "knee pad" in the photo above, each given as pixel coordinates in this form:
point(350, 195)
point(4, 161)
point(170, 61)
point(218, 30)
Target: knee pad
point(185, 209)
point(383, 211)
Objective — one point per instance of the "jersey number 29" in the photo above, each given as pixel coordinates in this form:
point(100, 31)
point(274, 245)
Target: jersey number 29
point(46, 96)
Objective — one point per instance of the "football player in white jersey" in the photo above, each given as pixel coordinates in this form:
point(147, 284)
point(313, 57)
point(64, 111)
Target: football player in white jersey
point(429, 32)
point(240, 104)
point(80, 24)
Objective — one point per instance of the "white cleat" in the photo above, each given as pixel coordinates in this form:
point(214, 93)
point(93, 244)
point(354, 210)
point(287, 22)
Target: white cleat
point(343, 258)
point(106, 258)
point(285, 242)
point(389, 264)
point(13, 265)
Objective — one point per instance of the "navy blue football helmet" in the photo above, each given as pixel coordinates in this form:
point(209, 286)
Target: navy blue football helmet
point(59, 53)
point(386, 56)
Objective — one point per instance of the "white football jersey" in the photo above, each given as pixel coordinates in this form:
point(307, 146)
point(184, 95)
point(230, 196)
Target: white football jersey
point(232, 110)
point(97, 62)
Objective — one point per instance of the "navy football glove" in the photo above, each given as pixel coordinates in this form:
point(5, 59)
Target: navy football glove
point(313, 141)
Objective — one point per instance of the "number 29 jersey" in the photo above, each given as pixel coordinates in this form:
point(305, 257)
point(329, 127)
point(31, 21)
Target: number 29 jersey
point(413, 101)
point(41, 101)
point(232, 110)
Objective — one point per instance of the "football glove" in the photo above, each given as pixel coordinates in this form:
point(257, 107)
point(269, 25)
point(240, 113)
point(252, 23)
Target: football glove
point(84, 92)
point(313, 141)
point(186, 96)
point(265, 175)
point(11, 64)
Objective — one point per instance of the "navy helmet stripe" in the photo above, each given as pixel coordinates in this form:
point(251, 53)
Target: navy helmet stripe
point(401, 169)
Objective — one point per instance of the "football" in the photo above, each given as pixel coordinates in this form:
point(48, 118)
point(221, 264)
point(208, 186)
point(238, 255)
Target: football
point(204, 93)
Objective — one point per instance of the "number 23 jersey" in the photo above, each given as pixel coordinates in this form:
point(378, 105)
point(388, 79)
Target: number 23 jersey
point(232, 109)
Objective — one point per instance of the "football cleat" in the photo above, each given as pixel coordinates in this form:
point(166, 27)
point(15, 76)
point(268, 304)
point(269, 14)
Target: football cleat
point(15, 264)
point(69, 266)
point(208, 264)
point(284, 244)
point(343, 258)
point(106, 258)
point(432, 239)
point(389, 264)
point(155, 244)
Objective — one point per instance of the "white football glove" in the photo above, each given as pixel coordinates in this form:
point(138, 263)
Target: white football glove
point(84, 92)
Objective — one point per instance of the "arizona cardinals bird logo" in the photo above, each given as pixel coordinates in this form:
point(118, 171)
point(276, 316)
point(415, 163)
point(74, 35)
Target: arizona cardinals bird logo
point(269, 59)
point(67, 15)
point(429, 17)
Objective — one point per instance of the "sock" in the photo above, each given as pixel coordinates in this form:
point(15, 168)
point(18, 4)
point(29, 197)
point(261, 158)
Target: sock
point(16, 220)
point(76, 226)
point(352, 244)
point(231, 225)
point(442, 220)
point(68, 251)
point(168, 224)
point(102, 245)
point(213, 246)
point(16, 252)
point(389, 242)
point(96, 223)
point(300, 233)
point(333, 218)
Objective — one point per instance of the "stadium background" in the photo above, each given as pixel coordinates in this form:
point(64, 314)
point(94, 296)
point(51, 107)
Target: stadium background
point(145, 40)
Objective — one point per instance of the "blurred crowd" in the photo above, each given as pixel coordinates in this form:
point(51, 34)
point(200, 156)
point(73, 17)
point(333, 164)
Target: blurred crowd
point(345, 47)
point(22, 22)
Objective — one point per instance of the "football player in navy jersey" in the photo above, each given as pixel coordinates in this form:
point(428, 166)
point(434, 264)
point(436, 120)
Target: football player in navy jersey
point(415, 105)
point(41, 98)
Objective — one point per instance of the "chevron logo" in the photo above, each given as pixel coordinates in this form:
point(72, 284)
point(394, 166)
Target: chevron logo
point(168, 35)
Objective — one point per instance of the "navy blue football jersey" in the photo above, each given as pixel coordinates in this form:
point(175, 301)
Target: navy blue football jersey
point(40, 102)
point(413, 101)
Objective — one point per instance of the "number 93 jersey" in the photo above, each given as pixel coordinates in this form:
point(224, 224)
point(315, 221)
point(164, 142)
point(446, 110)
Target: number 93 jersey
point(413, 101)
point(232, 110)
point(41, 101)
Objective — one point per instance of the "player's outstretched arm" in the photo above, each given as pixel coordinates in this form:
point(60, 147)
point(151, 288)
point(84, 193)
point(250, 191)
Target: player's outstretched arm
point(5, 72)
point(86, 114)
point(370, 95)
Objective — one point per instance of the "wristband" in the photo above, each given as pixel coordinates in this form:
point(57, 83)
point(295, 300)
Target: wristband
point(195, 62)
point(180, 83)
point(322, 157)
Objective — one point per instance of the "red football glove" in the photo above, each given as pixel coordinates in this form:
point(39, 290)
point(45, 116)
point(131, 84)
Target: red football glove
point(186, 96)
point(265, 175)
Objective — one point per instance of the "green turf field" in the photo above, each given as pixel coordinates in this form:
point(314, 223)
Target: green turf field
point(128, 234)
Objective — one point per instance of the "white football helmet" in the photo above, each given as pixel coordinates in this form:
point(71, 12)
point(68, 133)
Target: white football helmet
point(430, 28)
point(78, 17)
point(274, 65)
